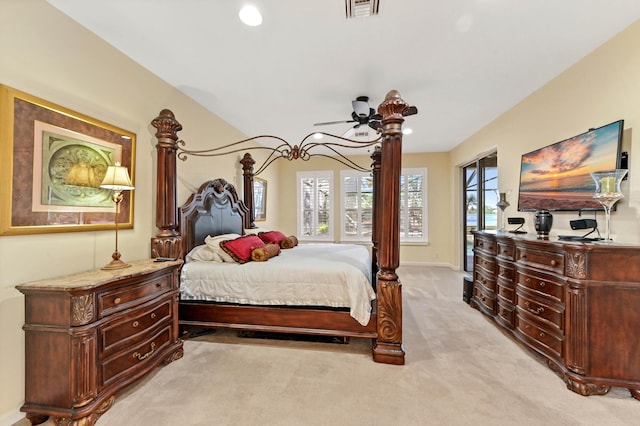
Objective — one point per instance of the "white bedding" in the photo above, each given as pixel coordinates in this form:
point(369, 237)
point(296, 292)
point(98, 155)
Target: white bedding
point(336, 275)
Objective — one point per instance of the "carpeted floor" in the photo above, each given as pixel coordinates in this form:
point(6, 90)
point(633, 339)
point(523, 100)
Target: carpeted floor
point(460, 370)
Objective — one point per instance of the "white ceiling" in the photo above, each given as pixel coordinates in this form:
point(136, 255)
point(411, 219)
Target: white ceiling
point(461, 62)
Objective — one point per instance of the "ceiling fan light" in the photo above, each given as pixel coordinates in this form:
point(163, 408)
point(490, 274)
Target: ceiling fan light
point(250, 16)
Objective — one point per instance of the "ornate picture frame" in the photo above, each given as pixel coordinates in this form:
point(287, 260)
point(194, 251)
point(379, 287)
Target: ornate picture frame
point(259, 199)
point(52, 161)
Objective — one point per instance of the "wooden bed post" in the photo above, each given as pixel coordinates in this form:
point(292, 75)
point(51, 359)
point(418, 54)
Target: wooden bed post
point(167, 242)
point(247, 173)
point(388, 347)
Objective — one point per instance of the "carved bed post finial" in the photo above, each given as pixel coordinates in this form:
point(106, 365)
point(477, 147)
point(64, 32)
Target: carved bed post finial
point(167, 242)
point(388, 346)
point(247, 162)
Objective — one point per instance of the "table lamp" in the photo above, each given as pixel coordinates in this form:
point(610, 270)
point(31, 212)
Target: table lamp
point(117, 180)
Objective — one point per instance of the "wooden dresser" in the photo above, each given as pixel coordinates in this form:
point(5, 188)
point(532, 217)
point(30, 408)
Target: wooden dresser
point(88, 335)
point(576, 304)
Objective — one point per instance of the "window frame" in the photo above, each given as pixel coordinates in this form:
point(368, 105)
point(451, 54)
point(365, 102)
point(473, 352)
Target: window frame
point(323, 174)
point(424, 238)
point(351, 174)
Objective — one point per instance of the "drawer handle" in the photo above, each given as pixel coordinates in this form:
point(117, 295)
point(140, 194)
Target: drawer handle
point(117, 300)
point(526, 326)
point(140, 357)
point(153, 315)
point(159, 285)
point(553, 263)
point(480, 244)
point(135, 324)
point(536, 311)
point(542, 283)
point(541, 334)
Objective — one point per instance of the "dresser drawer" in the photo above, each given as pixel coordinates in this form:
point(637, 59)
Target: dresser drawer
point(506, 291)
point(543, 284)
point(540, 338)
point(506, 270)
point(506, 313)
point(543, 259)
point(548, 314)
point(133, 358)
point(485, 298)
point(506, 250)
point(124, 297)
point(485, 263)
point(485, 280)
point(489, 246)
point(135, 326)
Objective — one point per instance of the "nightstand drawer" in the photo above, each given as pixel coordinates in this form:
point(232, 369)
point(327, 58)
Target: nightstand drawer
point(130, 295)
point(134, 356)
point(135, 326)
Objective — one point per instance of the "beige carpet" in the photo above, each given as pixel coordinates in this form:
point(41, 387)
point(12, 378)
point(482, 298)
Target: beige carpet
point(460, 370)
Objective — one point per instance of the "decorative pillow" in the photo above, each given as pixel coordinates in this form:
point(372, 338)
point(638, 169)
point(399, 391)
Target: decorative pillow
point(240, 249)
point(203, 253)
point(262, 254)
point(214, 244)
point(289, 242)
point(272, 237)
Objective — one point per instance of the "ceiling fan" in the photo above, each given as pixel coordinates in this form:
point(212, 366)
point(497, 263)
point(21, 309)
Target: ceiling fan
point(362, 114)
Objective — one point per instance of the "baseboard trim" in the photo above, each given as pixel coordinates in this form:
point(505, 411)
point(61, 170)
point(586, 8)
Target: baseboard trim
point(446, 265)
point(11, 417)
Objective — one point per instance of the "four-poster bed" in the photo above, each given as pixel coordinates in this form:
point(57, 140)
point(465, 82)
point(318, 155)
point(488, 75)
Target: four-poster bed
point(216, 209)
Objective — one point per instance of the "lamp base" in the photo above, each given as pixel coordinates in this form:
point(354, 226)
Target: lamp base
point(115, 264)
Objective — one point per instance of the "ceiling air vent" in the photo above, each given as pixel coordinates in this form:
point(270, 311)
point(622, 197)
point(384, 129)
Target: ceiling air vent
point(360, 8)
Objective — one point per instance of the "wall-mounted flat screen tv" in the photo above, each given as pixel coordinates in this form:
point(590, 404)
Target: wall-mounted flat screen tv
point(557, 178)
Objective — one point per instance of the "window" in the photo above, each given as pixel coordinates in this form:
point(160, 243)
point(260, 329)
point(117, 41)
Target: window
point(356, 190)
point(315, 201)
point(413, 206)
point(356, 193)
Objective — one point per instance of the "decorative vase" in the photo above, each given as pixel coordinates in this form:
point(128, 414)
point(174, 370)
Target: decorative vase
point(543, 221)
point(502, 205)
point(608, 193)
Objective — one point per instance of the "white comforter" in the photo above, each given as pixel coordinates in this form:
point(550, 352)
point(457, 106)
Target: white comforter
point(336, 275)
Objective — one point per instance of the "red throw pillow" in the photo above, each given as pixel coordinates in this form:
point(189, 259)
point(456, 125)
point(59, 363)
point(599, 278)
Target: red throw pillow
point(272, 237)
point(240, 248)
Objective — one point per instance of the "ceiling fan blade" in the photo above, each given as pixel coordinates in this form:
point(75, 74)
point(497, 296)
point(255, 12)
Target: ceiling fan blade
point(334, 122)
point(375, 125)
point(409, 111)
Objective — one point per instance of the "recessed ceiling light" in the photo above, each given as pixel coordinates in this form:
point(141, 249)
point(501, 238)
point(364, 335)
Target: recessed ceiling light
point(407, 131)
point(317, 135)
point(250, 16)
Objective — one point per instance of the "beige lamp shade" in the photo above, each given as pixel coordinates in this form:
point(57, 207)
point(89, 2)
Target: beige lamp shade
point(117, 178)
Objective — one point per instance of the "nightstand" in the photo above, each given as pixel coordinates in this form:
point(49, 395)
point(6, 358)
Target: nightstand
point(89, 335)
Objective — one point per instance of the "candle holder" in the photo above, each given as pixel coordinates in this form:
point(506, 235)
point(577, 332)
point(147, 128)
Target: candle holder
point(502, 205)
point(608, 193)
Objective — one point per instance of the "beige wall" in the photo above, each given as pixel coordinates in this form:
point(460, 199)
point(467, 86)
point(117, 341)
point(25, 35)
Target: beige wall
point(49, 56)
point(601, 88)
point(440, 246)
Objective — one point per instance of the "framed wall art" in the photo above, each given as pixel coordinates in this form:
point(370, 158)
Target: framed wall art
point(52, 162)
point(259, 199)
